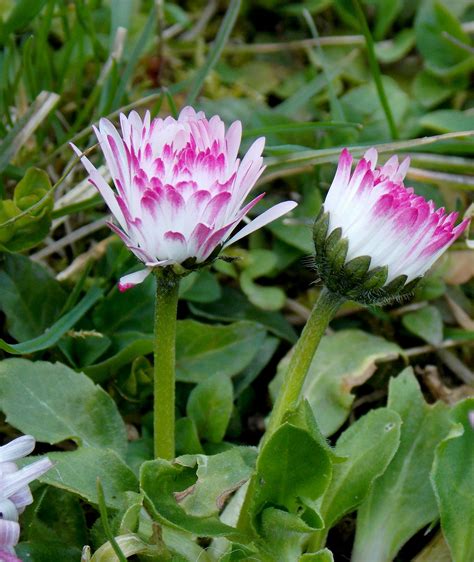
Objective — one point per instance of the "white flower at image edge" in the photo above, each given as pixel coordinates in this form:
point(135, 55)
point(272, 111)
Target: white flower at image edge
point(15, 494)
point(179, 186)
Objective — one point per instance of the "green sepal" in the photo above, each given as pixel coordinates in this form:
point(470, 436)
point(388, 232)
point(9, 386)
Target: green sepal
point(357, 268)
point(396, 285)
point(376, 278)
point(332, 240)
point(410, 287)
point(320, 231)
point(339, 254)
point(353, 280)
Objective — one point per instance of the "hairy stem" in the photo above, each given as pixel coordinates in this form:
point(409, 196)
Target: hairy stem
point(288, 397)
point(167, 287)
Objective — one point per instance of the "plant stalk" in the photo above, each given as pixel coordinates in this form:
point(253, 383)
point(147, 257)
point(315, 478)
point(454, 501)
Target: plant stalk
point(290, 391)
point(167, 289)
point(303, 353)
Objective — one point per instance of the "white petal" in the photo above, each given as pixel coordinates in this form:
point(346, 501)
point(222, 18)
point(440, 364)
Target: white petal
point(12, 483)
point(17, 448)
point(132, 279)
point(371, 156)
point(22, 498)
point(232, 139)
point(8, 510)
point(104, 188)
point(9, 533)
point(268, 216)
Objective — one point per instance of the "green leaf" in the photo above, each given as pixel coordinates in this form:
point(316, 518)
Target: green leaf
point(56, 517)
point(440, 40)
point(333, 374)
point(130, 544)
point(187, 438)
point(77, 472)
point(54, 403)
point(203, 349)
point(53, 334)
point(425, 323)
point(447, 120)
point(160, 481)
point(218, 476)
point(45, 552)
point(371, 113)
point(200, 286)
point(368, 445)
point(30, 298)
point(259, 263)
point(453, 482)
point(387, 12)
point(31, 189)
point(294, 469)
point(430, 90)
point(184, 546)
point(210, 406)
point(84, 348)
point(129, 311)
point(234, 306)
point(31, 208)
point(21, 15)
point(124, 348)
point(215, 51)
point(323, 555)
point(386, 520)
point(393, 50)
point(292, 465)
point(284, 533)
point(244, 379)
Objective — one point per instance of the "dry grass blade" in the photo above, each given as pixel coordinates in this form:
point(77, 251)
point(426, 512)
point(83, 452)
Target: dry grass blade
point(26, 126)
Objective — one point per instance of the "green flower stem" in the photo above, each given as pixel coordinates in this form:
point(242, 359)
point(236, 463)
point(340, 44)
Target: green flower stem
point(303, 353)
point(288, 397)
point(167, 289)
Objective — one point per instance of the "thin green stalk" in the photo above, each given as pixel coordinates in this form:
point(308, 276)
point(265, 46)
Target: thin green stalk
point(289, 395)
point(374, 66)
point(303, 353)
point(105, 523)
point(167, 288)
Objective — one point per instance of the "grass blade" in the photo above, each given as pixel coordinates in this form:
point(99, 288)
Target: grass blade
point(325, 155)
point(216, 50)
point(53, 334)
point(105, 523)
point(132, 61)
point(309, 90)
point(26, 126)
point(297, 127)
point(374, 66)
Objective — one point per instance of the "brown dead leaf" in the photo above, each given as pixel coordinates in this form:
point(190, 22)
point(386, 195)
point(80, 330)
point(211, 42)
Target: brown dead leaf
point(459, 267)
point(435, 551)
point(439, 390)
point(462, 317)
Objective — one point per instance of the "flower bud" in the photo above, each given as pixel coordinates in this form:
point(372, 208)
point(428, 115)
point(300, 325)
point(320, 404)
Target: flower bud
point(374, 238)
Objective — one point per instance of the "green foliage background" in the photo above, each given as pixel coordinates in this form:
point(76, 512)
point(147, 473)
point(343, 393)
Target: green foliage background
point(312, 77)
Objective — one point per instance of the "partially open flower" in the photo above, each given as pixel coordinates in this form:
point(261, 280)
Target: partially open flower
point(374, 238)
point(180, 187)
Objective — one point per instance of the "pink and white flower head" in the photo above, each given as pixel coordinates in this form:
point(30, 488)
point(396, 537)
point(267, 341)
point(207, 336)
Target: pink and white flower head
point(15, 494)
point(378, 233)
point(180, 187)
